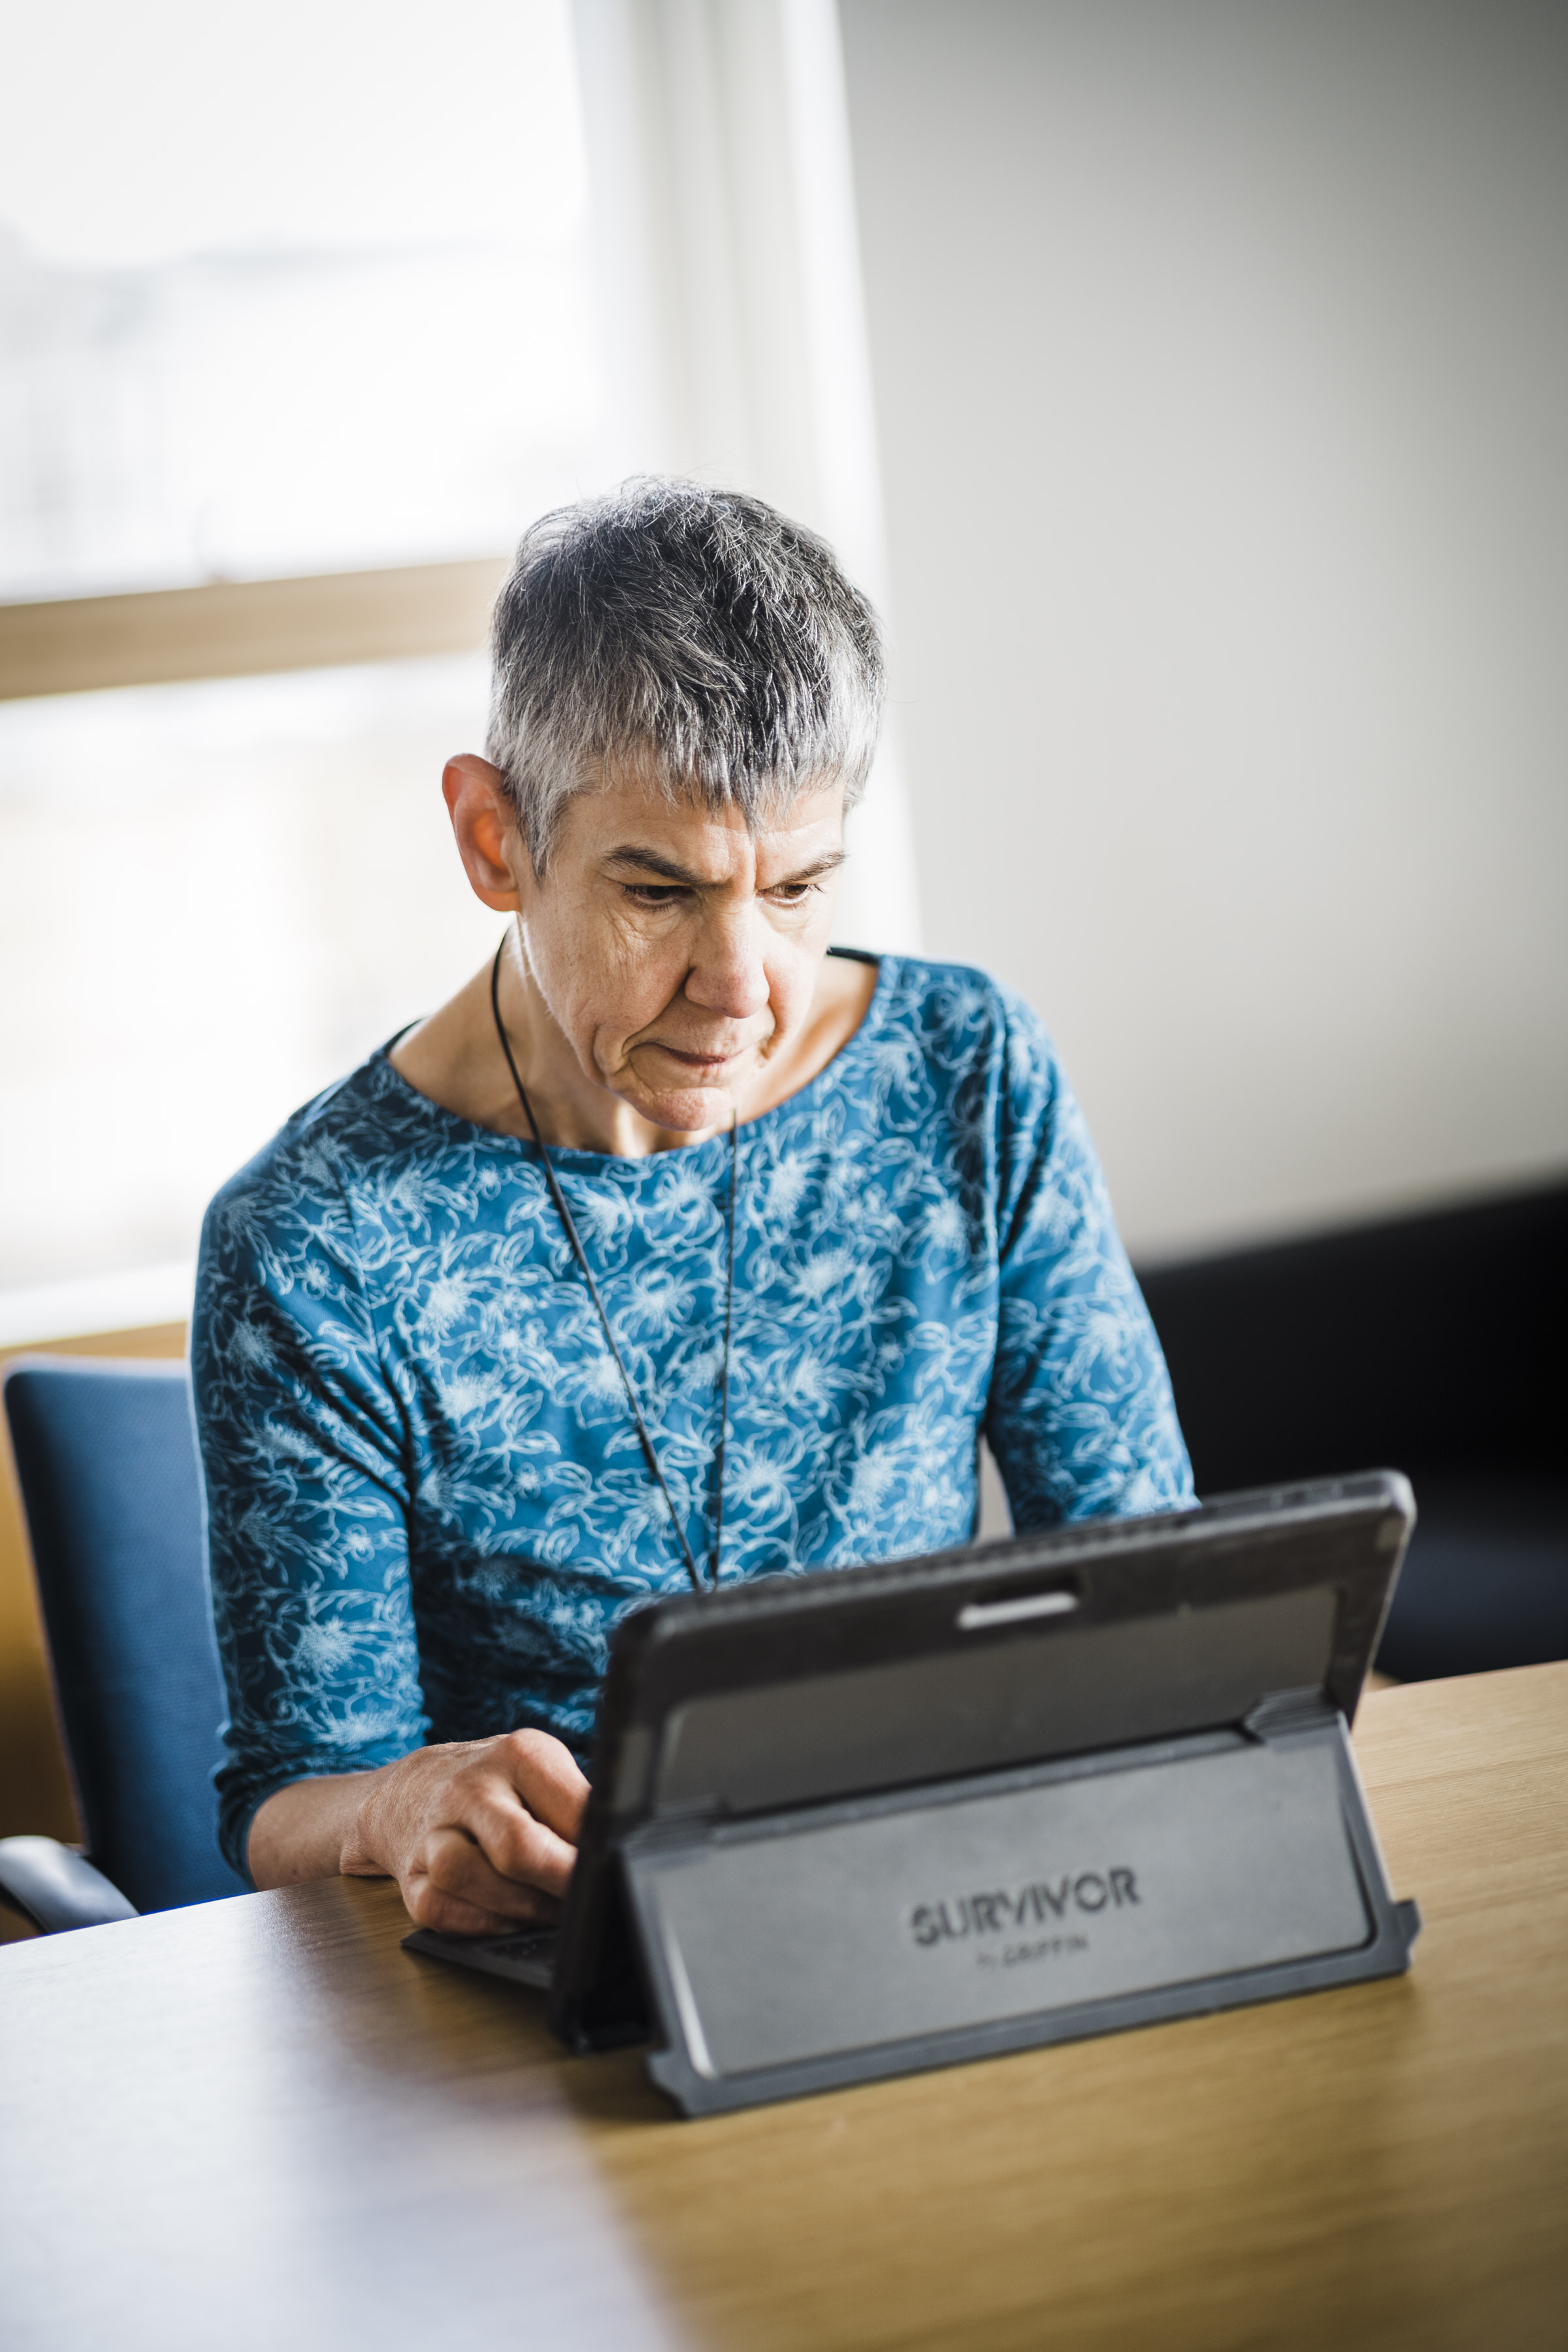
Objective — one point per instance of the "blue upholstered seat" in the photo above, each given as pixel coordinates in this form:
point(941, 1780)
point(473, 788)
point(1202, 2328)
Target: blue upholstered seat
point(107, 1460)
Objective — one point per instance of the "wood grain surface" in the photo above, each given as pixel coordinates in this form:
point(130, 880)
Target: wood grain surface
point(262, 2124)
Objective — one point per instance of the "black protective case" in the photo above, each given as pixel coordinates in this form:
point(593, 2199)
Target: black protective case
point(790, 1708)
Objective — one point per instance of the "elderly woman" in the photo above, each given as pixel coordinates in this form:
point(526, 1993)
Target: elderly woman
point(677, 1248)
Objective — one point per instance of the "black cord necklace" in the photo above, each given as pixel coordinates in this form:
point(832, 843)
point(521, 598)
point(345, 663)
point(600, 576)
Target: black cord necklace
point(564, 1213)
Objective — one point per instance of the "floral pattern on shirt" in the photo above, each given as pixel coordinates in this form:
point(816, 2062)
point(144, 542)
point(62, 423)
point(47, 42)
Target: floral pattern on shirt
point(428, 1505)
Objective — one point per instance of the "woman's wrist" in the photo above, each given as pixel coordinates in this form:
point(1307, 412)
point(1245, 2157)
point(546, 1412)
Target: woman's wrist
point(362, 1846)
point(307, 1830)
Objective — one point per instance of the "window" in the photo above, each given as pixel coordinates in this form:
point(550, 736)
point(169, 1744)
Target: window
point(214, 897)
point(292, 289)
point(285, 288)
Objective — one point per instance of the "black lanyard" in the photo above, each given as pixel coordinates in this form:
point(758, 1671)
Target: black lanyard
point(559, 1197)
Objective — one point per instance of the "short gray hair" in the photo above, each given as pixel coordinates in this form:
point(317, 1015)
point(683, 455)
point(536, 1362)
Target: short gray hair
point(695, 637)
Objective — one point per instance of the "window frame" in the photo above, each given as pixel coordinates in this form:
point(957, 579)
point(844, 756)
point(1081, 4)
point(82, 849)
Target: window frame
point(246, 628)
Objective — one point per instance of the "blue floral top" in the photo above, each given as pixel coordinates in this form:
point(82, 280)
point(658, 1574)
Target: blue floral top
point(427, 1502)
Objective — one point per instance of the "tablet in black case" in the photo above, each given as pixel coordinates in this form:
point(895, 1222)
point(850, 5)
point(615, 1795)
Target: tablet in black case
point(850, 1824)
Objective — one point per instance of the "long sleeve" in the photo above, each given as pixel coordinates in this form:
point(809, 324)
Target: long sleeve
point(1080, 1419)
point(304, 1459)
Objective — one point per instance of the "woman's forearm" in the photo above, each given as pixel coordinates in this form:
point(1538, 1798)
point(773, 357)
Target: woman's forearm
point(311, 1829)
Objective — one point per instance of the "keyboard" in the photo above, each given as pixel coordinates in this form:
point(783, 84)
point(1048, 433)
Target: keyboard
point(525, 1956)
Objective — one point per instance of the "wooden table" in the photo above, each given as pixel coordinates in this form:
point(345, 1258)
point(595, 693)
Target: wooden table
point(260, 2123)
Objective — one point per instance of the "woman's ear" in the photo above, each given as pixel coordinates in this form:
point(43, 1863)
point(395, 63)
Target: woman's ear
point(484, 824)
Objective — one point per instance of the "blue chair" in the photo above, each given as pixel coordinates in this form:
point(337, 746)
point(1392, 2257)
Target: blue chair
point(106, 1456)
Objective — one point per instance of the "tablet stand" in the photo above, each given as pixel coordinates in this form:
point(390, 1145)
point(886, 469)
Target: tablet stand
point(794, 1951)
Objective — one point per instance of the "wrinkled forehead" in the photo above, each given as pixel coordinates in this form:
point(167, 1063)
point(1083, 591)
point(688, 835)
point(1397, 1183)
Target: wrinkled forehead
point(635, 799)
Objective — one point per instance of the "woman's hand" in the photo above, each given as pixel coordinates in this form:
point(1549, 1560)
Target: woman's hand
point(480, 1835)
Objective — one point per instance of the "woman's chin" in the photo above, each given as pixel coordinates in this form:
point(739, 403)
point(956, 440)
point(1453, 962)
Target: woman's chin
point(684, 1111)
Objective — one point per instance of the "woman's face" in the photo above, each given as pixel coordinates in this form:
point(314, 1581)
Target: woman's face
point(677, 953)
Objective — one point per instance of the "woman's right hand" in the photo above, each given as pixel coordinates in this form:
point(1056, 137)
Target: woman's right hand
point(480, 1835)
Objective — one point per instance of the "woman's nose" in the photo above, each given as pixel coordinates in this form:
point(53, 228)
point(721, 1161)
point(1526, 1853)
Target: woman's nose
point(728, 974)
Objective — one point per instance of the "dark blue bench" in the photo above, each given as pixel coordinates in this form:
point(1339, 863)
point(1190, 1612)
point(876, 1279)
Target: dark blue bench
point(1433, 1344)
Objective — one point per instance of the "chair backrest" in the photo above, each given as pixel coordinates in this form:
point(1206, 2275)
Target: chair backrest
point(106, 1454)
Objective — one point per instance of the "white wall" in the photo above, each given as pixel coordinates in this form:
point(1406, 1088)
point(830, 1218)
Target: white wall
point(1220, 352)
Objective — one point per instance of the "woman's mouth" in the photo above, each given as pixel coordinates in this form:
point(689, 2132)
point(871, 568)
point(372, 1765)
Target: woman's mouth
point(698, 1063)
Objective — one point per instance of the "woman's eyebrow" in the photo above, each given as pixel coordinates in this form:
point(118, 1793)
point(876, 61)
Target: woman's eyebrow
point(828, 863)
point(650, 861)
